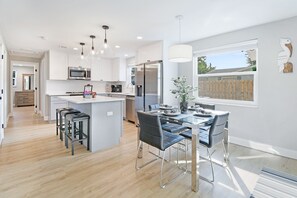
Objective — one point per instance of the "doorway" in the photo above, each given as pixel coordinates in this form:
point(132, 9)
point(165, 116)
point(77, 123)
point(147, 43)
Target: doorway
point(2, 81)
point(24, 85)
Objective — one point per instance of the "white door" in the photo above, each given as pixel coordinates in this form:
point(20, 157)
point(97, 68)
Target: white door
point(1, 93)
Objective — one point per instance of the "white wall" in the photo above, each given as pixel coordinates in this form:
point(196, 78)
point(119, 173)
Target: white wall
point(271, 125)
point(19, 80)
point(170, 70)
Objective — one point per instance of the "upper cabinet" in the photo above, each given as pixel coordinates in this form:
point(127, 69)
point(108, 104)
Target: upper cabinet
point(119, 69)
point(74, 60)
point(58, 65)
point(151, 52)
point(101, 69)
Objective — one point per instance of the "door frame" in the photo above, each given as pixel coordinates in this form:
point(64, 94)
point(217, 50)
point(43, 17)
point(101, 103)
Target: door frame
point(36, 84)
point(2, 82)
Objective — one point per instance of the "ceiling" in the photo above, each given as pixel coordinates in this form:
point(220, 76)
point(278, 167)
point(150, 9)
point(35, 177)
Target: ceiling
point(34, 26)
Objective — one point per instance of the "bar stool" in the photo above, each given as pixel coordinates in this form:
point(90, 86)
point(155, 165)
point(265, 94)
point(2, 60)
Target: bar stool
point(71, 130)
point(58, 114)
point(63, 115)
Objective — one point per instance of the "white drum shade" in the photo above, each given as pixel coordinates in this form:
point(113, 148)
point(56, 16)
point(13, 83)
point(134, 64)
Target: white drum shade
point(180, 53)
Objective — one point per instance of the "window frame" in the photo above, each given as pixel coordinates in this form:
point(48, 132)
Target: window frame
point(252, 44)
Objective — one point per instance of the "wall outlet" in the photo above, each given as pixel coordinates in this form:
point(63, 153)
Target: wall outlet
point(109, 113)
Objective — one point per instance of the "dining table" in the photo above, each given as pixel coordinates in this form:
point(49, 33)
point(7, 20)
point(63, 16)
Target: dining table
point(194, 121)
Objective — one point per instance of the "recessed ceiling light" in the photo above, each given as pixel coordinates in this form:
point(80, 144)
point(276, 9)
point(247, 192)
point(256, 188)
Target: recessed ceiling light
point(139, 37)
point(43, 37)
point(117, 46)
point(62, 46)
point(75, 48)
point(102, 51)
point(126, 55)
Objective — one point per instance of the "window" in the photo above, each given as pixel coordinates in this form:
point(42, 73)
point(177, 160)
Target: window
point(228, 73)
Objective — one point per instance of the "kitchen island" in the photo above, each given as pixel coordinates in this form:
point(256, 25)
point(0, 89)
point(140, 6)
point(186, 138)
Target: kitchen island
point(106, 123)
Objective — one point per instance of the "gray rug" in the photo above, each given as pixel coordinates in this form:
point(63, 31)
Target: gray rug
point(275, 184)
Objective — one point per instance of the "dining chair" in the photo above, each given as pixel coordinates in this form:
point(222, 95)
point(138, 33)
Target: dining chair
point(152, 134)
point(168, 125)
point(213, 136)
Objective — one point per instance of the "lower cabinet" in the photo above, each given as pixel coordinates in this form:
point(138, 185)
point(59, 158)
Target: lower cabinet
point(56, 103)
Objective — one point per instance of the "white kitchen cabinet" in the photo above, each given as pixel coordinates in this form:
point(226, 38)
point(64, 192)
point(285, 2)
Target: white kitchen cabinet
point(124, 102)
point(151, 52)
point(56, 103)
point(119, 70)
point(101, 69)
point(58, 65)
point(74, 60)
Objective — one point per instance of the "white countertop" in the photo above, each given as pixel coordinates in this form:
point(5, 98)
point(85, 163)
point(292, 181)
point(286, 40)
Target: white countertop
point(98, 93)
point(81, 100)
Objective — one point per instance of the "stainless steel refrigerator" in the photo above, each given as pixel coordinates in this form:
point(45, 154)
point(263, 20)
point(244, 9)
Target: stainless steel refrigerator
point(148, 85)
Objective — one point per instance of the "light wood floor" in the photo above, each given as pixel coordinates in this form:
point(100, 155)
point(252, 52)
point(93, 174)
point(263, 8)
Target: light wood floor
point(35, 163)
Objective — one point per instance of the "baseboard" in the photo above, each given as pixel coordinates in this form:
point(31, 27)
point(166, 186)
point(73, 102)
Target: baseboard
point(264, 147)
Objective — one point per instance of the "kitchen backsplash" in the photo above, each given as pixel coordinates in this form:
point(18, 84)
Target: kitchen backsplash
point(63, 86)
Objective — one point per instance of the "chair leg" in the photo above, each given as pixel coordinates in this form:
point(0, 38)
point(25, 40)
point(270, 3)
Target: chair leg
point(212, 172)
point(163, 185)
point(186, 149)
point(136, 162)
point(57, 123)
point(72, 137)
point(161, 176)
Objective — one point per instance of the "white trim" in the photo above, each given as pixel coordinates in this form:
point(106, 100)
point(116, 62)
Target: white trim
point(35, 65)
point(228, 74)
point(264, 147)
point(230, 47)
point(227, 48)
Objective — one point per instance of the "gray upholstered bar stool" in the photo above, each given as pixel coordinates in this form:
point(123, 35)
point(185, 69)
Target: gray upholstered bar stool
point(63, 115)
point(75, 130)
point(58, 115)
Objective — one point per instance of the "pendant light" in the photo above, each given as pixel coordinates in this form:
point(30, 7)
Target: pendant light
point(180, 53)
point(82, 50)
point(105, 27)
point(93, 50)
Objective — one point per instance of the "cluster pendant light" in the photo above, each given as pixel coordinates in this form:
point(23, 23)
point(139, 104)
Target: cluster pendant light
point(82, 50)
point(93, 49)
point(180, 53)
point(105, 27)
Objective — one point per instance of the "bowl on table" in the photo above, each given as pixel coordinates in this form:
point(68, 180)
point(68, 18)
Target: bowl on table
point(172, 112)
point(165, 107)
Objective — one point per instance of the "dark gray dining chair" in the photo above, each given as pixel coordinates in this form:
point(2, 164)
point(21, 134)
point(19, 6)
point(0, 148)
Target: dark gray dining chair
point(152, 134)
point(168, 125)
point(209, 138)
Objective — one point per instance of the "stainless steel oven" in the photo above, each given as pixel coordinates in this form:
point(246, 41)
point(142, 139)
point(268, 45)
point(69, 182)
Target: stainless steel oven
point(79, 73)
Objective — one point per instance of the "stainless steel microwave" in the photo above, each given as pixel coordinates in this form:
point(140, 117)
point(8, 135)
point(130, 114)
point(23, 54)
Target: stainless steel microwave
point(79, 73)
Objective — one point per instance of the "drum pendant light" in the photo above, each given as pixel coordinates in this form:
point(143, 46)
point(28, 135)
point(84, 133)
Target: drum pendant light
point(180, 53)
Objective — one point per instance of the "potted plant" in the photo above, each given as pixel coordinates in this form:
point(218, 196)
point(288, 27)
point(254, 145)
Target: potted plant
point(183, 92)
